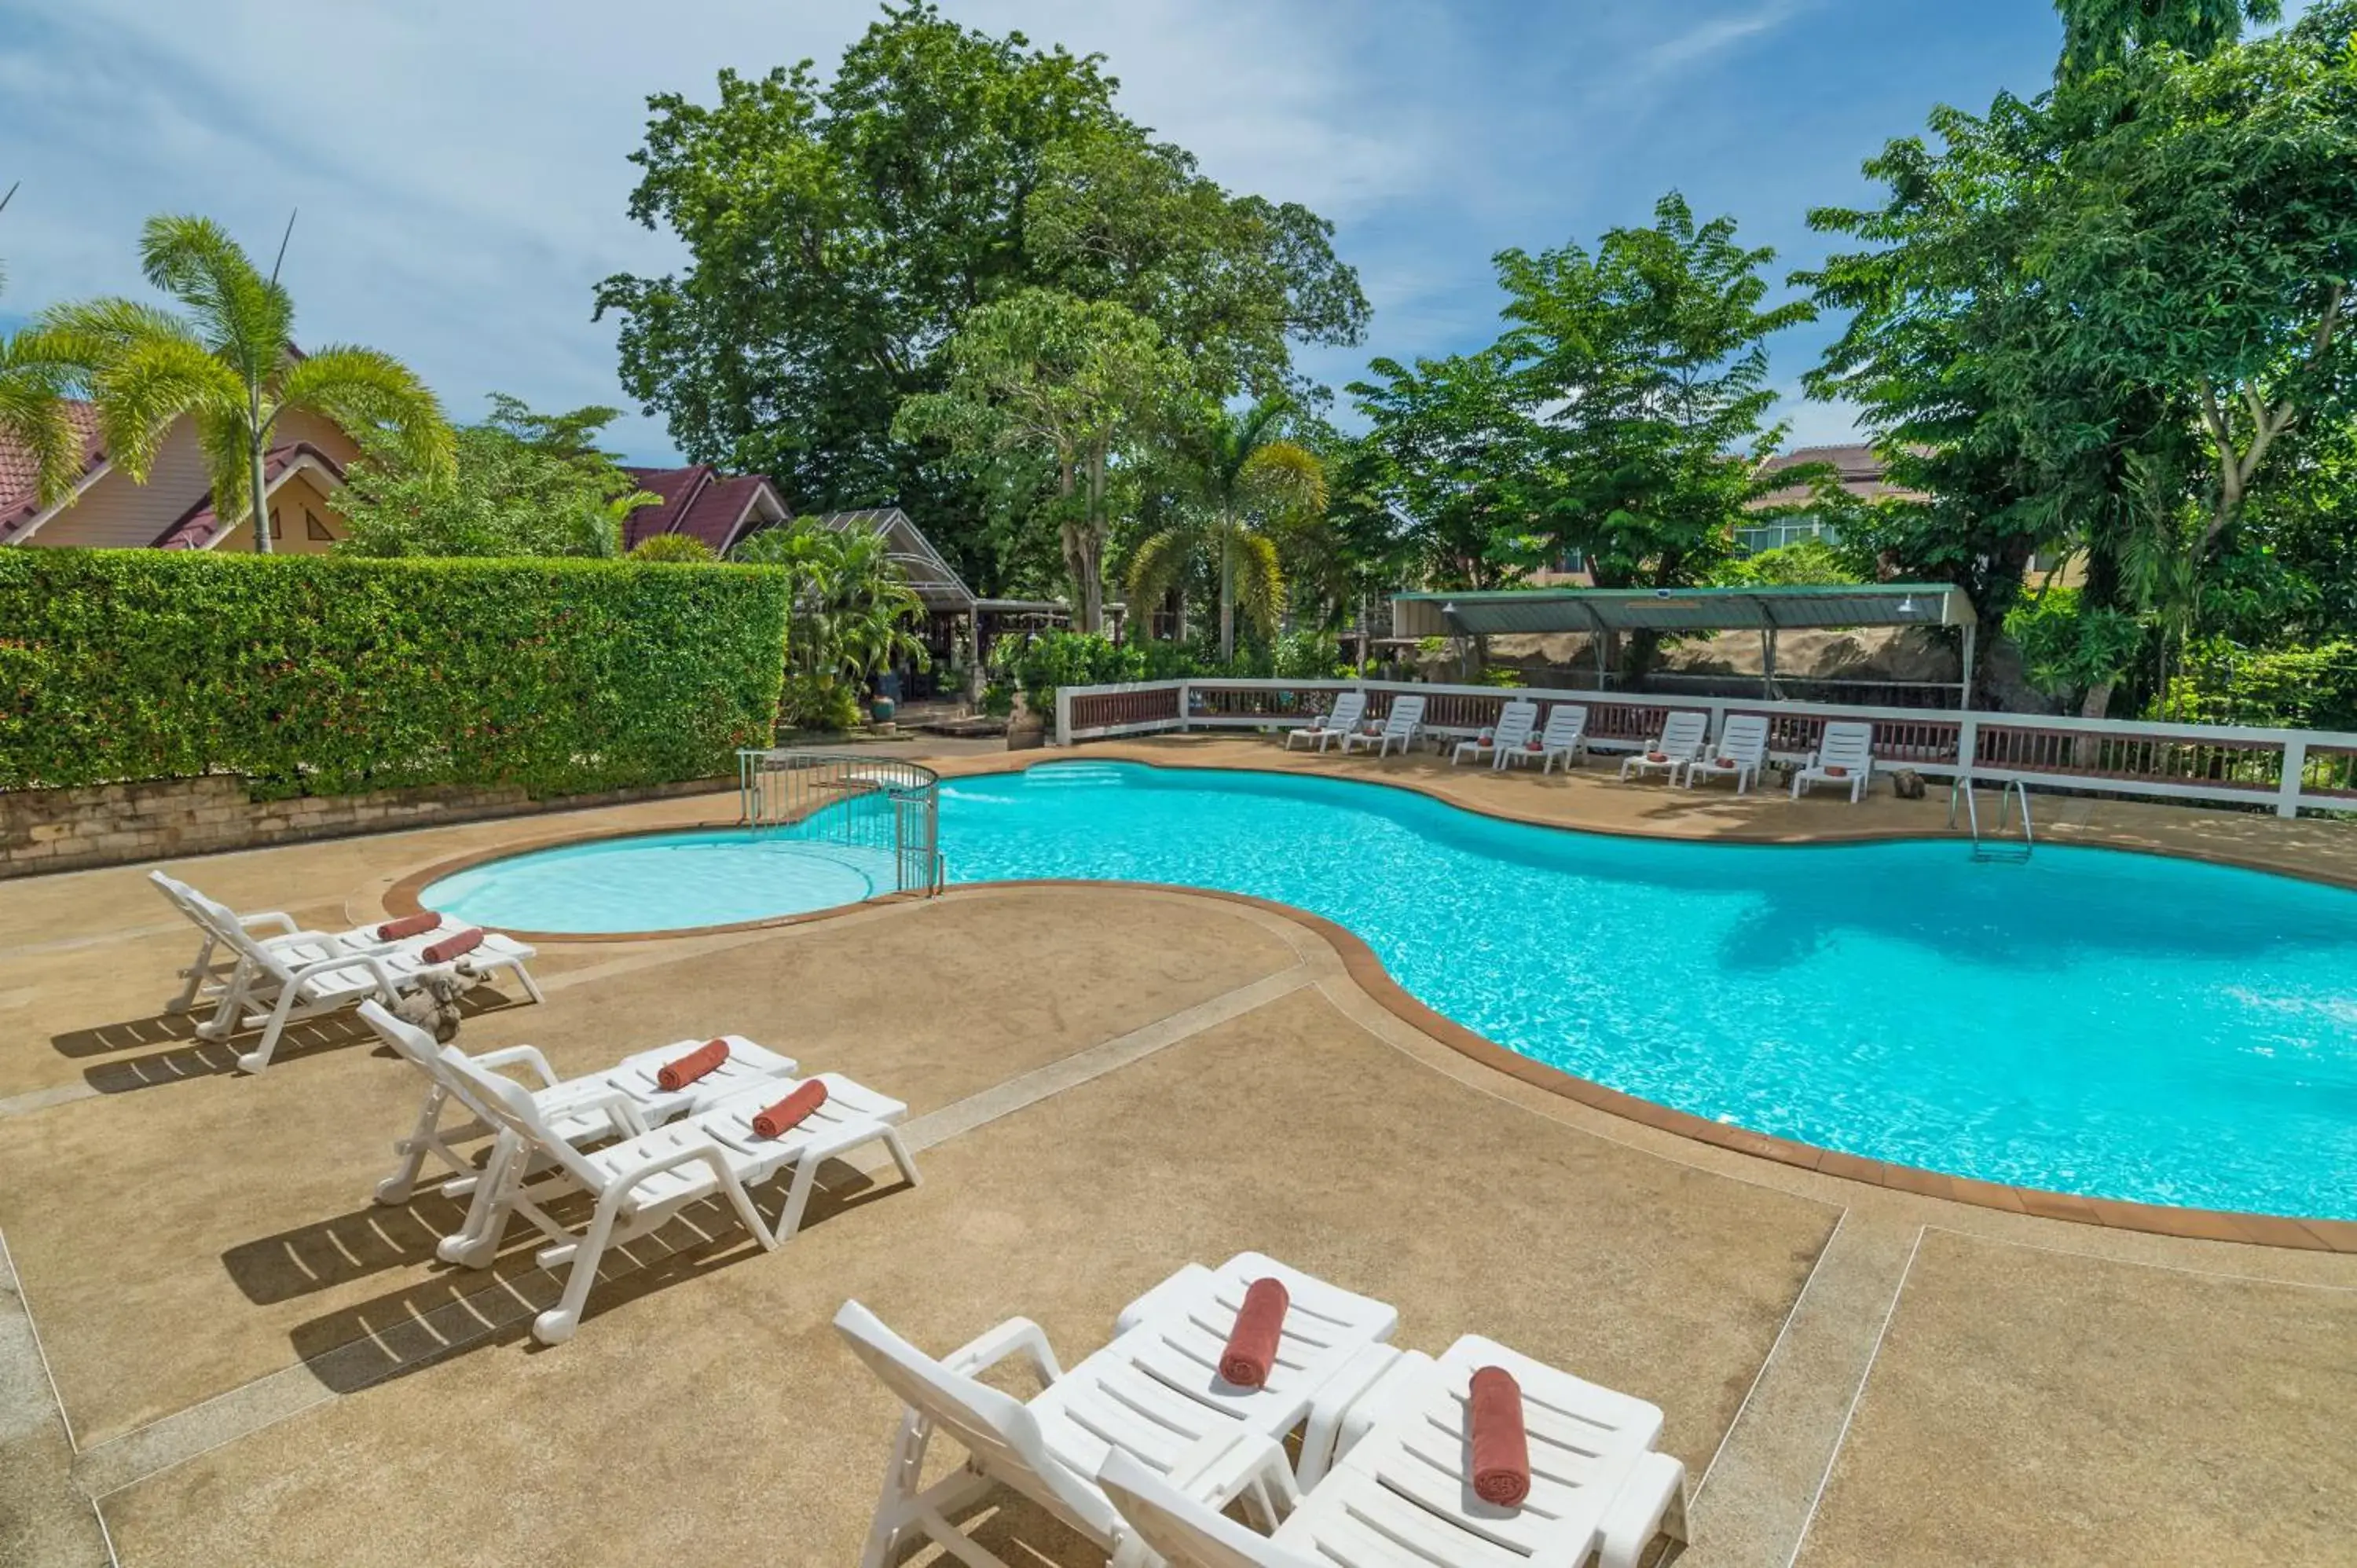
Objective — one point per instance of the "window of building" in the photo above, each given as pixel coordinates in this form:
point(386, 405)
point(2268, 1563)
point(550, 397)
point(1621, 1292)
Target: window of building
point(314, 528)
point(1775, 535)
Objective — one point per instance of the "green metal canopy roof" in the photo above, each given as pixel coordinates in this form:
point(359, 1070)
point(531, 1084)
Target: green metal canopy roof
point(1540, 610)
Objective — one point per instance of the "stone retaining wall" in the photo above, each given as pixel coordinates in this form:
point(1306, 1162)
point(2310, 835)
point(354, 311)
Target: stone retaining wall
point(111, 824)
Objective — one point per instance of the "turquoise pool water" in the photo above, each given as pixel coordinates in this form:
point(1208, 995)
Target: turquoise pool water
point(2113, 1024)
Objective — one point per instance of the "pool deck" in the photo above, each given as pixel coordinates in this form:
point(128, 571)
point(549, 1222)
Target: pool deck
point(215, 1348)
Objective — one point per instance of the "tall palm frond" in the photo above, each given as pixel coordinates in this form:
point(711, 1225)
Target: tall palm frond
point(228, 364)
point(1160, 564)
point(145, 385)
point(239, 313)
point(33, 416)
point(363, 390)
point(1283, 476)
point(1259, 580)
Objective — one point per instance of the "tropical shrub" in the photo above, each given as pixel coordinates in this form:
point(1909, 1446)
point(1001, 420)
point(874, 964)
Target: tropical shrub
point(672, 547)
point(1305, 656)
point(854, 616)
point(1802, 563)
point(2068, 647)
point(2289, 688)
point(524, 484)
point(325, 676)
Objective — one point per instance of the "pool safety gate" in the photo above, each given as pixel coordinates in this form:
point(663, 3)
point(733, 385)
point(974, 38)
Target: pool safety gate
point(875, 805)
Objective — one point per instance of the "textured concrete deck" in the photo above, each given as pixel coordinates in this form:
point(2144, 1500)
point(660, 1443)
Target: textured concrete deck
point(220, 1346)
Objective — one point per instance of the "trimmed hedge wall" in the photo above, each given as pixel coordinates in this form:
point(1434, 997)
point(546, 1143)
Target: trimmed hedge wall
point(322, 676)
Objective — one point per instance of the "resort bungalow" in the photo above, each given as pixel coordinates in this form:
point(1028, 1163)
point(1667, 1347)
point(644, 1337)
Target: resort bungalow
point(174, 509)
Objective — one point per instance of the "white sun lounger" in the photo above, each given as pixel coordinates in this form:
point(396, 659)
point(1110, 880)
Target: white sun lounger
point(1564, 737)
point(1845, 755)
point(215, 960)
point(1154, 1392)
point(578, 1109)
point(1680, 742)
point(1401, 727)
point(641, 1182)
point(305, 974)
point(1740, 753)
point(1400, 1498)
point(1349, 708)
point(1515, 722)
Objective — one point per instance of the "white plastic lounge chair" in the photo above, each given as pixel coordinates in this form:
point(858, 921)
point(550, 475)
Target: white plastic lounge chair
point(577, 1109)
point(1683, 735)
point(305, 974)
point(1564, 737)
point(1348, 709)
point(1400, 1498)
point(208, 974)
point(641, 1182)
point(1402, 726)
point(1741, 751)
point(1154, 1393)
point(1515, 722)
point(1845, 755)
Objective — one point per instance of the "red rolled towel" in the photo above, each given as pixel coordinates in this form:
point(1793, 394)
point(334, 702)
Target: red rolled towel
point(791, 1111)
point(1657, 757)
point(1501, 1449)
point(1836, 772)
point(680, 1071)
point(1251, 1351)
point(1533, 746)
point(1486, 738)
point(448, 947)
point(1727, 762)
point(416, 925)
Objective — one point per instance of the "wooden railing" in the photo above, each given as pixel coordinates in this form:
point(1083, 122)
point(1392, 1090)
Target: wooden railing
point(2289, 770)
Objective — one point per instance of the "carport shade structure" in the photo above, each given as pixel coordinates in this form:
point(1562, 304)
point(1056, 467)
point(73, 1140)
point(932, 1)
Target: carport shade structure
point(1690, 611)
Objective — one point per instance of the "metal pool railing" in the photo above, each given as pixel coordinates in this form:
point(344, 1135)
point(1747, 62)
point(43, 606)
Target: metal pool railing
point(882, 806)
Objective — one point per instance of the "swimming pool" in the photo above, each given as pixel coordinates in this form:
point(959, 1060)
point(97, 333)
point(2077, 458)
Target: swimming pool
point(2093, 1022)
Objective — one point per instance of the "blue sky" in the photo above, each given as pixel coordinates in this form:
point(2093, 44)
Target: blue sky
point(460, 173)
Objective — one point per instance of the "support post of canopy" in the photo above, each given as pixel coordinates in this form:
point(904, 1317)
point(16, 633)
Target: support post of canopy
point(1972, 628)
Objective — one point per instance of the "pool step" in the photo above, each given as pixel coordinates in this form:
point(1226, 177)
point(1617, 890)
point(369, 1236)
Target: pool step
point(1069, 774)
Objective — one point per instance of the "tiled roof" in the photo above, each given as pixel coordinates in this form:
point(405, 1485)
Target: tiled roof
point(198, 526)
point(678, 487)
point(698, 500)
point(20, 476)
point(1857, 468)
point(717, 507)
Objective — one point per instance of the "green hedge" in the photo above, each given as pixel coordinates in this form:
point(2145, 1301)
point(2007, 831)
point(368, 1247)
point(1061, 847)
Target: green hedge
point(323, 676)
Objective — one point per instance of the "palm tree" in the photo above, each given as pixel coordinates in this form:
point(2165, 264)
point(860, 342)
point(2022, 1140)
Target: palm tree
point(1238, 474)
point(230, 365)
point(853, 611)
point(33, 410)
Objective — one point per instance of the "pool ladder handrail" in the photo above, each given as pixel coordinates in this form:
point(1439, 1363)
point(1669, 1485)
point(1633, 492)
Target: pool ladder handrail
point(2004, 847)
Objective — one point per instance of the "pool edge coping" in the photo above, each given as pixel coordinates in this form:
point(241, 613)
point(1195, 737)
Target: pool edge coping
point(1367, 971)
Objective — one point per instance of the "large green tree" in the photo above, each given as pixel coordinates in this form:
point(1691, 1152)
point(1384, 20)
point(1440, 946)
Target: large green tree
point(2098, 33)
point(1644, 363)
point(2205, 238)
point(2101, 321)
point(839, 233)
point(1452, 456)
point(1238, 477)
point(523, 484)
point(1040, 375)
point(230, 364)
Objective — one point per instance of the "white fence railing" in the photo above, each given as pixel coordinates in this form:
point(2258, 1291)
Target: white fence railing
point(2289, 770)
